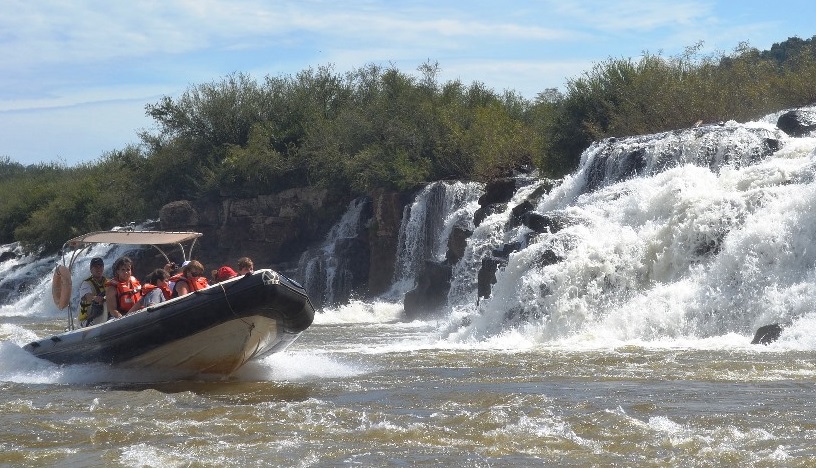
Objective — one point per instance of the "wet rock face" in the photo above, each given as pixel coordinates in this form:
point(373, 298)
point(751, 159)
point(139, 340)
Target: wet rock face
point(494, 200)
point(383, 234)
point(431, 292)
point(798, 122)
point(267, 228)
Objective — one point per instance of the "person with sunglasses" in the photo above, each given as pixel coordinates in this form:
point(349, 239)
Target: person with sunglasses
point(190, 279)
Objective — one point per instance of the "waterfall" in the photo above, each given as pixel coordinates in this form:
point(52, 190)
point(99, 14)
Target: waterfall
point(427, 225)
point(693, 233)
point(332, 271)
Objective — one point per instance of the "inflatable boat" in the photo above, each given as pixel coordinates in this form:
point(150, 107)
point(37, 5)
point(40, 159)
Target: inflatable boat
point(214, 330)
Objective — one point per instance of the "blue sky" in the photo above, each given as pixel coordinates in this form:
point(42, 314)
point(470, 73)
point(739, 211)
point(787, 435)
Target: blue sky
point(75, 76)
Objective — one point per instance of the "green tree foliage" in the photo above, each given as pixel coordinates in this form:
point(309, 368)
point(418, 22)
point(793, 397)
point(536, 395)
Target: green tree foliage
point(378, 127)
point(622, 97)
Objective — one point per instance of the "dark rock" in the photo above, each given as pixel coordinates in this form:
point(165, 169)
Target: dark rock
point(797, 122)
point(352, 268)
point(771, 145)
point(544, 223)
point(519, 211)
point(431, 292)
point(457, 243)
point(178, 215)
point(498, 191)
point(548, 258)
point(610, 167)
point(486, 211)
point(486, 277)
point(383, 234)
point(767, 334)
point(8, 255)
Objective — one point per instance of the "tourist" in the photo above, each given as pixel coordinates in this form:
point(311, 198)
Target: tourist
point(245, 266)
point(224, 273)
point(190, 280)
point(123, 290)
point(92, 295)
point(155, 291)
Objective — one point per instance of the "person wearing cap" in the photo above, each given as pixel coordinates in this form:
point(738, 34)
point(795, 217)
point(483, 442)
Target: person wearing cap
point(92, 295)
point(224, 273)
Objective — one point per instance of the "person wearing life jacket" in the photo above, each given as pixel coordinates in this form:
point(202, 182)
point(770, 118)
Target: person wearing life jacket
point(191, 279)
point(224, 273)
point(92, 294)
point(155, 291)
point(123, 290)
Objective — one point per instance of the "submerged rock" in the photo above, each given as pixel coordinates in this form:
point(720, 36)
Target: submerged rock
point(767, 334)
point(798, 122)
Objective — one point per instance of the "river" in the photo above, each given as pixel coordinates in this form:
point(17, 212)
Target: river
point(362, 388)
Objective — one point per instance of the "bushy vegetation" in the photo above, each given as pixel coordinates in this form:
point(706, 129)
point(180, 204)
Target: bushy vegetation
point(377, 127)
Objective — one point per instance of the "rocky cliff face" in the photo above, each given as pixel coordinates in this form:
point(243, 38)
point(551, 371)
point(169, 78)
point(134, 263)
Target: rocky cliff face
point(274, 230)
point(270, 229)
point(383, 236)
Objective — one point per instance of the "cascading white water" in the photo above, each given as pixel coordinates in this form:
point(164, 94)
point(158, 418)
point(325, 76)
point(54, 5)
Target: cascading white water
point(321, 269)
point(426, 226)
point(707, 233)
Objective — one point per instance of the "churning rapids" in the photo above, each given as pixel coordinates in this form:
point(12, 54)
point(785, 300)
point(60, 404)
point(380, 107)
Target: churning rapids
point(618, 334)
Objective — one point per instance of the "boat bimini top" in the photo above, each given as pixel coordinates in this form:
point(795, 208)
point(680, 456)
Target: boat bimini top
point(152, 238)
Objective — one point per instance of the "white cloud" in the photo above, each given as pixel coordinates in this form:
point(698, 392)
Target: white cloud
point(60, 58)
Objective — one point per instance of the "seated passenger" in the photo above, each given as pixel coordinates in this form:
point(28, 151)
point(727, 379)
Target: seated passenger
point(224, 273)
point(190, 280)
point(155, 291)
point(92, 295)
point(123, 290)
point(245, 266)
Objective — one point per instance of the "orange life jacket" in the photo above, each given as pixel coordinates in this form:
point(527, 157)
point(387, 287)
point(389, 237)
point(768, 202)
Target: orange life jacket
point(146, 289)
point(193, 284)
point(166, 291)
point(127, 293)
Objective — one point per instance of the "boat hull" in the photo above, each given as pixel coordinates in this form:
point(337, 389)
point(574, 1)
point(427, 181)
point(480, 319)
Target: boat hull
point(214, 330)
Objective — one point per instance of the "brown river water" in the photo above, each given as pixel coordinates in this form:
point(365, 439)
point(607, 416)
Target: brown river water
point(361, 389)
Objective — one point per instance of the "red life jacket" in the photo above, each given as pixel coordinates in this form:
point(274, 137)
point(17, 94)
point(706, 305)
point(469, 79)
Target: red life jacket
point(127, 293)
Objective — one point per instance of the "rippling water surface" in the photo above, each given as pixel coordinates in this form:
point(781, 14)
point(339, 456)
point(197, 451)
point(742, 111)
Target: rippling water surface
point(385, 393)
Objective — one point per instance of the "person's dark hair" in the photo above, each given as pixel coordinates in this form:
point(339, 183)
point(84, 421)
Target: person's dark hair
point(245, 262)
point(120, 262)
point(156, 275)
point(194, 266)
